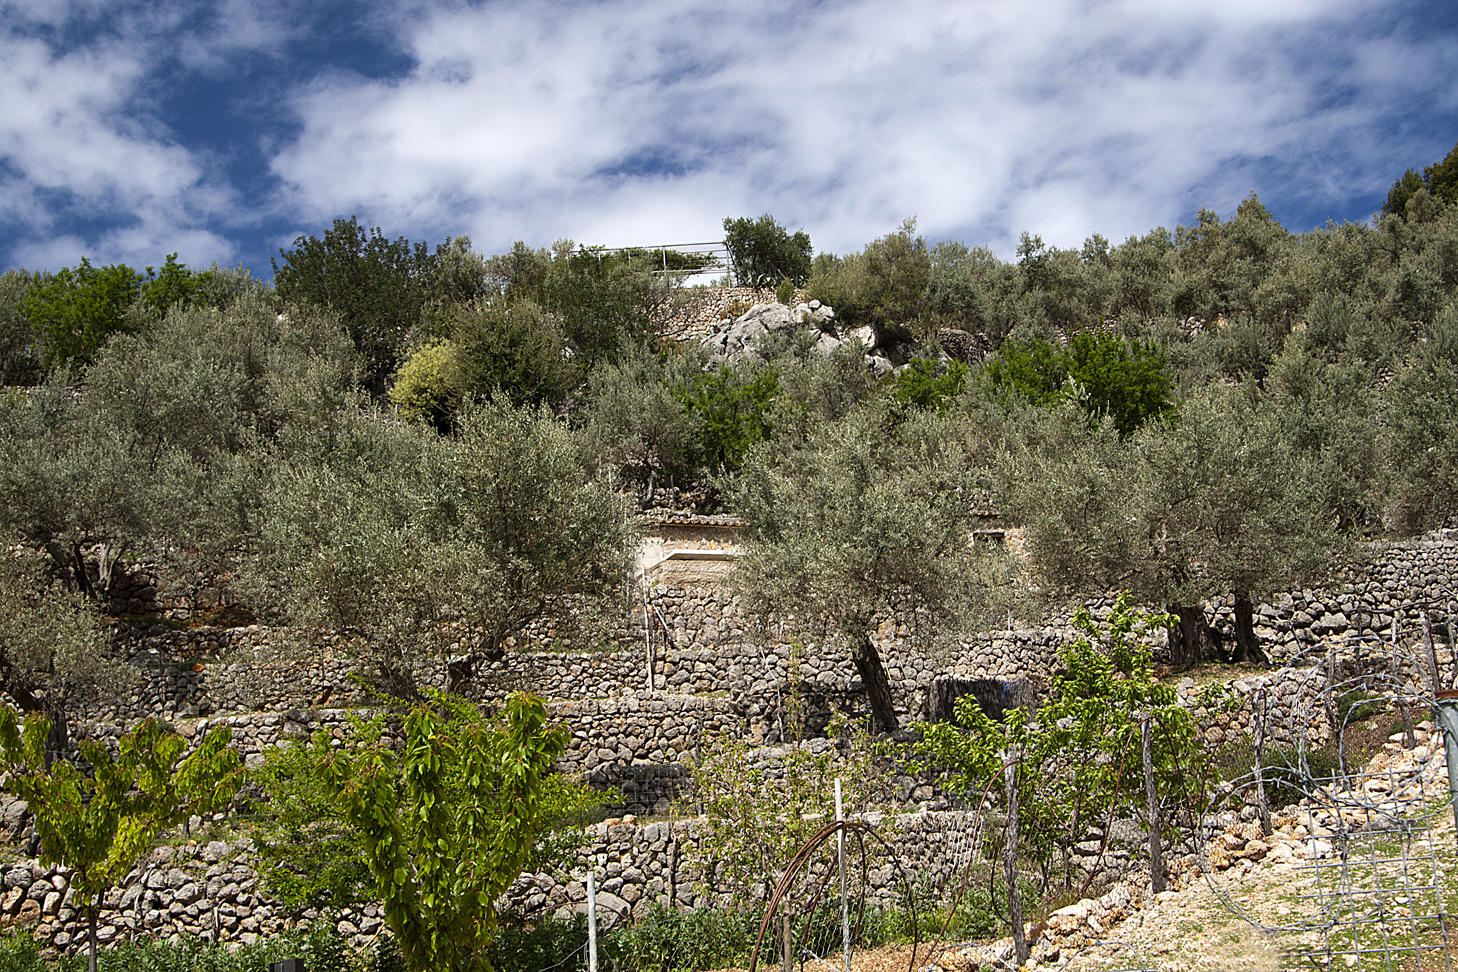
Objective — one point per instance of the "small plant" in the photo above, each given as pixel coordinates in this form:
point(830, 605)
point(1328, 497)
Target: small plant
point(731, 408)
point(785, 292)
point(683, 941)
point(1358, 705)
point(759, 819)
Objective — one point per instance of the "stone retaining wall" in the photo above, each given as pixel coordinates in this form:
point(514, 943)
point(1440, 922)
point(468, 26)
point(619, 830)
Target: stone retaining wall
point(697, 310)
point(210, 889)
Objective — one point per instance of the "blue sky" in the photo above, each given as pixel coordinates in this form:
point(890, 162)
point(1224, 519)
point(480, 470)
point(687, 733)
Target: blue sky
point(222, 130)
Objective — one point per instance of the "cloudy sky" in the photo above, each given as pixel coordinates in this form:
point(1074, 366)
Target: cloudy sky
point(222, 129)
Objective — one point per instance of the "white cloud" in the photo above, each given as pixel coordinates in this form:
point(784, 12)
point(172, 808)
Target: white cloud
point(1060, 117)
point(647, 121)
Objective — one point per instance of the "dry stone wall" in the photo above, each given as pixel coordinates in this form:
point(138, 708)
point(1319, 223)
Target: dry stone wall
point(712, 675)
point(698, 310)
point(210, 889)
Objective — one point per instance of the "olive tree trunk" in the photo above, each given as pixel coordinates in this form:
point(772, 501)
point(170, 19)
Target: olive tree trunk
point(1184, 635)
point(868, 664)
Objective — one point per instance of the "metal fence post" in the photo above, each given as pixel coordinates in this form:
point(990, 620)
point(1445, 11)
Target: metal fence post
point(840, 855)
point(591, 925)
point(1010, 857)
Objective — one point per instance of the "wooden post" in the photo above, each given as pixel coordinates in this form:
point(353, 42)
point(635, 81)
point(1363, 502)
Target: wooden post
point(840, 855)
point(648, 632)
point(1010, 859)
point(1408, 739)
point(1258, 728)
point(1331, 715)
point(1432, 653)
point(1156, 851)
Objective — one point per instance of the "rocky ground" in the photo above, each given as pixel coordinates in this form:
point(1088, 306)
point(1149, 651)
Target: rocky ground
point(1382, 853)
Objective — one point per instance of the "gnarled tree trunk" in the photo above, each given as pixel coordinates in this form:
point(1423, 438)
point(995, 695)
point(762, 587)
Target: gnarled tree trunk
point(1184, 635)
point(1247, 646)
point(878, 685)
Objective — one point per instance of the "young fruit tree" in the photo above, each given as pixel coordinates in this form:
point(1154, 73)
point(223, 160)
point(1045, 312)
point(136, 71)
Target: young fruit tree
point(447, 817)
point(1080, 752)
point(100, 824)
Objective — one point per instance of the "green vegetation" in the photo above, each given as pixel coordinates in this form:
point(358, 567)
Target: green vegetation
point(1080, 753)
point(321, 949)
point(428, 452)
point(869, 511)
point(1108, 377)
point(445, 822)
point(762, 253)
point(757, 821)
point(378, 287)
point(99, 825)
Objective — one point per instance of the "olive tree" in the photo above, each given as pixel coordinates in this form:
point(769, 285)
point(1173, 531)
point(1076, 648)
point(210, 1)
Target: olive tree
point(1219, 502)
point(872, 515)
point(54, 654)
point(421, 544)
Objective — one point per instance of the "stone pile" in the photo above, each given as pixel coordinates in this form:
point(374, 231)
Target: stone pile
point(745, 336)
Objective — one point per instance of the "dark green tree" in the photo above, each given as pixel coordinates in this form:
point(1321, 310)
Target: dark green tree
point(377, 286)
point(1108, 377)
point(730, 411)
point(927, 385)
point(606, 304)
point(172, 284)
point(516, 350)
point(762, 252)
point(1439, 179)
point(1127, 382)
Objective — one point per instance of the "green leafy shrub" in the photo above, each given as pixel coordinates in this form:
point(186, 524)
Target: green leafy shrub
point(1107, 376)
point(885, 285)
point(785, 292)
point(424, 387)
point(687, 941)
point(920, 385)
point(515, 350)
point(74, 312)
point(731, 411)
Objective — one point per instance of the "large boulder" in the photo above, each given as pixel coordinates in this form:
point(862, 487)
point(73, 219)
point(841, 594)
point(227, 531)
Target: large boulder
point(742, 337)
